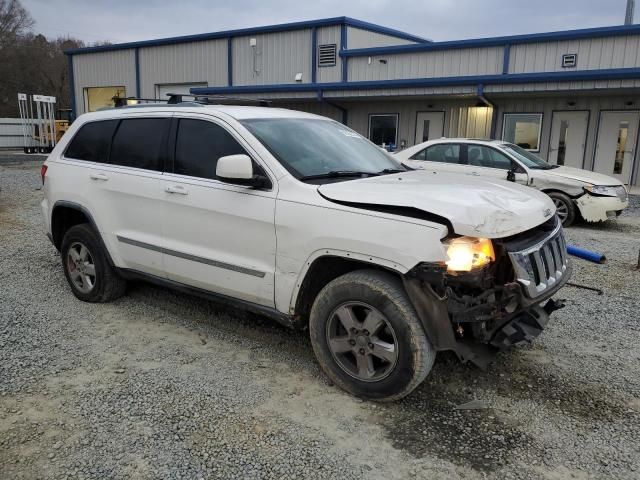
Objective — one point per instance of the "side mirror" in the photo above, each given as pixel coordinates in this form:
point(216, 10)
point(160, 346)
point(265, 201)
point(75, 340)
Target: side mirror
point(238, 170)
point(511, 175)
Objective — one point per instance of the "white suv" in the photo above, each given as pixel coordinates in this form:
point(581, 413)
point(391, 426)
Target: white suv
point(299, 218)
point(596, 196)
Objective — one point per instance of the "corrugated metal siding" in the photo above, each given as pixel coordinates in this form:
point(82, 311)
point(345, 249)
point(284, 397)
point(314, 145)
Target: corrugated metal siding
point(103, 69)
point(317, 108)
point(279, 56)
point(183, 63)
point(11, 135)
point(593, 53)
point(449, 63)
point(470, 122)
point(359, 38)
point(547, 106)
point(458, 121)
point(393, 92)
point(329, 35)
point(562, 86)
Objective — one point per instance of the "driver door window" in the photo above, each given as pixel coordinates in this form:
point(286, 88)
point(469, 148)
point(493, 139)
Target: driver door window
point(199, 145)
point(481, 156)
point(488, 162)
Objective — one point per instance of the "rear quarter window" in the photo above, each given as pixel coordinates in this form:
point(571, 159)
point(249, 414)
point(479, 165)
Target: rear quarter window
point(92, 141)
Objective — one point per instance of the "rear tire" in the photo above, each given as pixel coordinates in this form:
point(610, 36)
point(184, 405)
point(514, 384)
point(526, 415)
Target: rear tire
point(86, 267)
point(367, 336)
point(565, 208)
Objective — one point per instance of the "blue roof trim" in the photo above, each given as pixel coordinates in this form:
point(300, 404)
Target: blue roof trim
point(601, 74)
point(615, 31)
point(283, 27)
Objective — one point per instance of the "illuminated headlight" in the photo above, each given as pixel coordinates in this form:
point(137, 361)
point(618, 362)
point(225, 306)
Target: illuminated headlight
point(467, 253)
point(602, 190)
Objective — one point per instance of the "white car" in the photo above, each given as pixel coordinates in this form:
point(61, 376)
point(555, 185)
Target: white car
point(597, 197)
point(299, 218)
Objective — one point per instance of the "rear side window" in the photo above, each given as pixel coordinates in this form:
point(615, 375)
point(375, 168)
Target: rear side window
point(199, 145)
point(442, 152)
point(139, 142)
point(92, 141)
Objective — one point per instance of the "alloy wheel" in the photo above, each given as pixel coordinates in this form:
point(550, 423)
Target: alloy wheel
point(561, 209)
point(81, 267)
point(362, 341)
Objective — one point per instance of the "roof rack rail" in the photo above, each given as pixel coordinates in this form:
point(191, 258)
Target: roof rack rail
point(176, 98)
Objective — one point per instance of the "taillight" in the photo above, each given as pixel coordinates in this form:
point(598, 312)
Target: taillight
point(43, 172)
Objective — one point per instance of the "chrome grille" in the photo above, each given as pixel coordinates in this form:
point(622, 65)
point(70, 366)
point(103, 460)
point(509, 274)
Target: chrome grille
point(542, 265)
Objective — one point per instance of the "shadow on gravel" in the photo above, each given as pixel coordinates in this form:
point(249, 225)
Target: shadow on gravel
point(427, 422)
point(587, 402)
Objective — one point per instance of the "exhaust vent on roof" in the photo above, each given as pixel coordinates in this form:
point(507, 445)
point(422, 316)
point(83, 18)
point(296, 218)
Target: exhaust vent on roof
point(327, 55)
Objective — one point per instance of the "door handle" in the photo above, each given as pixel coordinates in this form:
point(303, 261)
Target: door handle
point(180, 190)
point(98, 176)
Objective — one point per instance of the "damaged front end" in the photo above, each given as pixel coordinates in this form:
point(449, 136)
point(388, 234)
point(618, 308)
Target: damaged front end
point(504, 303)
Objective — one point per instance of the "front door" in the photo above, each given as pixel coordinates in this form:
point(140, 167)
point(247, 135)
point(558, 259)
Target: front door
point(568, 137)
point(429, 126)
point(616, 145)
point(218, 237)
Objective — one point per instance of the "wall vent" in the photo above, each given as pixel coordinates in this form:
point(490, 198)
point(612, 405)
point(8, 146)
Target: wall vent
point(569, 60)
point(327, 55)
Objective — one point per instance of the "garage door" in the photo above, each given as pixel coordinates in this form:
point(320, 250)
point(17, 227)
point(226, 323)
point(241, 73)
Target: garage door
point(163, 89)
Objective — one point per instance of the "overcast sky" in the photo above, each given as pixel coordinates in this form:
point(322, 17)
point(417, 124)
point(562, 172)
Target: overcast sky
point(129, 20)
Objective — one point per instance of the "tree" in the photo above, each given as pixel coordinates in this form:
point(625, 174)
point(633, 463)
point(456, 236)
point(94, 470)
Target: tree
point(14, 22)
point(30, 63)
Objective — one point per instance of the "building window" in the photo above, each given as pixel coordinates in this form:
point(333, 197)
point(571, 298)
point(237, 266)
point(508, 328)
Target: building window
point(102, 97)
point(383, 130)
point(523, 129)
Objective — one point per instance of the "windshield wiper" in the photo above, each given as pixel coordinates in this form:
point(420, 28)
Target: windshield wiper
point(338, 174)
point(390, 170)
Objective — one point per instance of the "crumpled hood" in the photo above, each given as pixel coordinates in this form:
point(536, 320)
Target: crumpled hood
point(577, 174)
point(474, 206)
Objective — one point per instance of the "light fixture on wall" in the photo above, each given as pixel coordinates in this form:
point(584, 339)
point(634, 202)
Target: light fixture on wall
point(298, 77)
point(383, 61)
point(571, 103)
point(629, 103)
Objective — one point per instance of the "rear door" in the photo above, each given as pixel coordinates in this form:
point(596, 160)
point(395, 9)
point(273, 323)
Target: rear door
point(218, 236)
point(127, 192)
point(440, 157)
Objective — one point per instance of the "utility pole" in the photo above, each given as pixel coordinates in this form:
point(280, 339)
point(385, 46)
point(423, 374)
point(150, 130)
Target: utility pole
point(628, 18)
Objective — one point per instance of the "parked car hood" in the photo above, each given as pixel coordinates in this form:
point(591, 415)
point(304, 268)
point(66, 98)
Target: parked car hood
point(578, 174)
point(474, 206)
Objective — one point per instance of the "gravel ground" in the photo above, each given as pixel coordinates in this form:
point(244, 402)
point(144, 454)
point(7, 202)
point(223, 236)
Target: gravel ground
point(161, 385)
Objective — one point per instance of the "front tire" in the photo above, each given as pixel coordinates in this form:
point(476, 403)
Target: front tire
point(565, 208)
point(367, 336)
point(86, 267)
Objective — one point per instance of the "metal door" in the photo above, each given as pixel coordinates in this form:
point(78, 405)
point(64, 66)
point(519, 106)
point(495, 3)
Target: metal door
point(568, 137)
point(616, 145)
point(429, 126)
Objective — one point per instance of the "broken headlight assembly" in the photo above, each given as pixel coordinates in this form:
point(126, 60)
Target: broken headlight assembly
point(602, 190)
point(468, 253)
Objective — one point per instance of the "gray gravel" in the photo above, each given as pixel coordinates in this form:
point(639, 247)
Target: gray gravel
point(161, 385)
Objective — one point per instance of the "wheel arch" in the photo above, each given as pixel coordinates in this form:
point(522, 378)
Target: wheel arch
point(327, 265)
point(65, 215)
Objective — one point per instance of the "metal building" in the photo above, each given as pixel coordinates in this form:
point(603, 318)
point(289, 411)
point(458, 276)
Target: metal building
point(572, 97)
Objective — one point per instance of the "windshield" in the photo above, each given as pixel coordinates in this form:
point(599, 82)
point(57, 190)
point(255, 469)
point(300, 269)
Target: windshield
point(529, 159)
point(309, 147)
